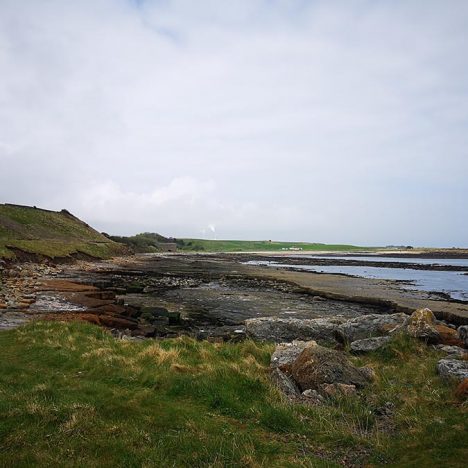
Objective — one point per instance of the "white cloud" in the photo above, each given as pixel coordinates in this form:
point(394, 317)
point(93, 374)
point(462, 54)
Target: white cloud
point(313, 120)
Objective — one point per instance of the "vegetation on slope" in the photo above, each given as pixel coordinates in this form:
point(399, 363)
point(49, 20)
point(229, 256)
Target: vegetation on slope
point(144, 242)
point(71, 395)
point(252, 246)
point(51, 234)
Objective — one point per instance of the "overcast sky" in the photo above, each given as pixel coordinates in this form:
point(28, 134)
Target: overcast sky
point(323, 121)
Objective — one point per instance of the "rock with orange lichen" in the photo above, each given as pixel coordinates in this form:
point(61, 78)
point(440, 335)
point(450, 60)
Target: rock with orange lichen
point(422, 325)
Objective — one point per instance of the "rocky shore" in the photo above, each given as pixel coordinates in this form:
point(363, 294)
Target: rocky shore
point(219, 299)
point(212, 297)
point(205, 296)
point(159, 296)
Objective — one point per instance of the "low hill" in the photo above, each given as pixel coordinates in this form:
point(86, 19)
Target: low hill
point(252, 246)
point(31, 230)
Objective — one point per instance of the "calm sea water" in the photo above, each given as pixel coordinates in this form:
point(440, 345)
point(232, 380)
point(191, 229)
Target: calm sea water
point(418, 261)
point(453, 283)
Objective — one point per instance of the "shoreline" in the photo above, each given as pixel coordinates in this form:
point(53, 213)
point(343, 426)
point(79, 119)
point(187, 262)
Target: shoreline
point(212, 293)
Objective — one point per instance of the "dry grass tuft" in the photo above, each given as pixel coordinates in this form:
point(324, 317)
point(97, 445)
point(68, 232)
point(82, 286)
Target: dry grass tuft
point(160, 355)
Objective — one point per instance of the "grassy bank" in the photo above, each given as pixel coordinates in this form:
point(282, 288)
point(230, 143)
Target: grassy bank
point(50, 234)
point(252, 246)
point(71, 395)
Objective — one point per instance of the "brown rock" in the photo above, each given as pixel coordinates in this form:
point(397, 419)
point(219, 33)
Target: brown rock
point(286, 353)
point(65, 285)
point(461, 391)
point(317, 365)
point(117, 322)
point(448, 336)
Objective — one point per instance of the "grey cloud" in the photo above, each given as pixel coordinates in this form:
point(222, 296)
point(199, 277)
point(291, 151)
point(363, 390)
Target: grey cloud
point(310, 120)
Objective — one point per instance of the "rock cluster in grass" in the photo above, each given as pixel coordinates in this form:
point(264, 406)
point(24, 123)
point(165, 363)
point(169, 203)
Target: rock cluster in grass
point(310, 372)
point(306, 370)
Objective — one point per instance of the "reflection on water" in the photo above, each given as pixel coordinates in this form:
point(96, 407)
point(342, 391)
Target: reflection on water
point(453, 283)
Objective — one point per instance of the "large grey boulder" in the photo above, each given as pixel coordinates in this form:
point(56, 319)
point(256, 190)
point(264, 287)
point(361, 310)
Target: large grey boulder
point(453, 369)
point(288, 329)
point(286, 353)
point(367, 326)
point(368, 345)
point(317, 365)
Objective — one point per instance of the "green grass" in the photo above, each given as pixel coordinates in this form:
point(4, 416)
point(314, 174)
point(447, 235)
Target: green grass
point(71, 395)
point(246, 246)
point(48, 233)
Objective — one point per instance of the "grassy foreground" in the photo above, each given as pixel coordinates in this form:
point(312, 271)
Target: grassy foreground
point(71, 395)
point(252, 246)
point(50, 233)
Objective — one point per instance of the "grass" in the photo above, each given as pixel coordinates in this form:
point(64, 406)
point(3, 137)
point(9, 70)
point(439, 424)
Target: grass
point(51, 234)
point(71, 395)
point(246, 246)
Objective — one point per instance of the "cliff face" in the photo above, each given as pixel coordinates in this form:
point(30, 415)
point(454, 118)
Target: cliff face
point(26, 230)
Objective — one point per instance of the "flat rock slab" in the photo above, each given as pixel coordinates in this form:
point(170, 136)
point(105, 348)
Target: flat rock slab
point(286, 330)
point(9, 320)
point(368, 326)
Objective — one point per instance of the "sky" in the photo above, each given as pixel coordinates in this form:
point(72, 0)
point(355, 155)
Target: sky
point(321, 121)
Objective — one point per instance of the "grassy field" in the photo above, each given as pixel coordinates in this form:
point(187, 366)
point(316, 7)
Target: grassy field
point(49, 233)
point(252, 246)
point(71, 395)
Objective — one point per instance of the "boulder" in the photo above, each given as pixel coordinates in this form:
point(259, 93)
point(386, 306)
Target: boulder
point(422, 325)
point(317, 365)
point(448, 336)
point(369, 344)
point(288, 329)
point(461, 391)
point(286, 353)
point(453, 368)
point(454, 352)
point(463, 334)
point(284, 383)
point(367, 326)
